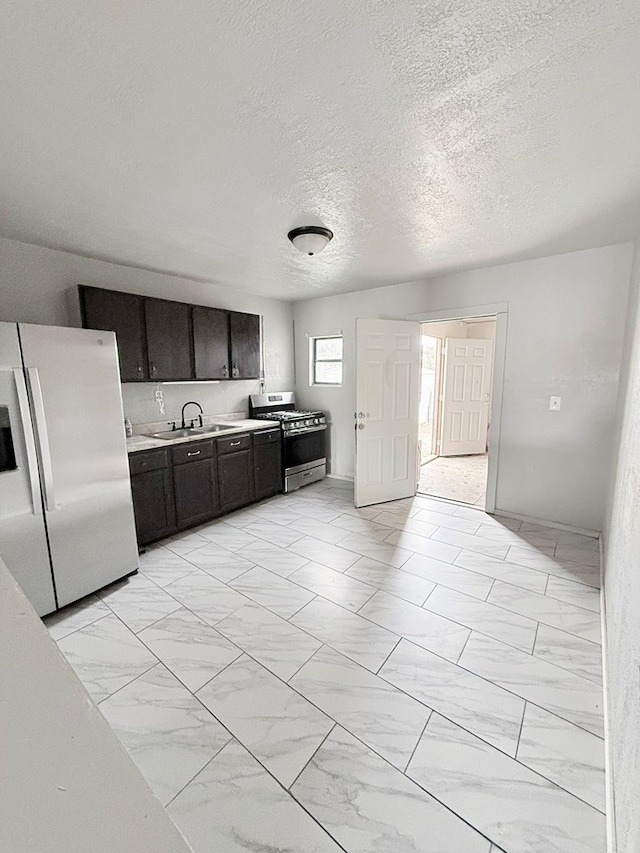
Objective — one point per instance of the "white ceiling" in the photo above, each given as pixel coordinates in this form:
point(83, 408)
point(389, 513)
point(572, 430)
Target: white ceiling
point(190, 136)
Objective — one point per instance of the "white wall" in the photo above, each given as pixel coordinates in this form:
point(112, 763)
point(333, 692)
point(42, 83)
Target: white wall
point(622, 591)
point(565, 328)
point(38, 285)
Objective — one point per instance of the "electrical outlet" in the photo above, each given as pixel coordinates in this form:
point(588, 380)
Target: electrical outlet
point(554, 404)
point(160, 399)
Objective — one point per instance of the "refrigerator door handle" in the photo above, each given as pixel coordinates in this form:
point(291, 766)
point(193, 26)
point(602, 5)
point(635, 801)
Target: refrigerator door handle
point(30, 445)
point(42, 437)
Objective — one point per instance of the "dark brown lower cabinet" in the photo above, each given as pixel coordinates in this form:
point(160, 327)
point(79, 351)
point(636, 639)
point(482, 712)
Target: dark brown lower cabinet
point(235, 472)
point(190, 483)
point(267, 463)
point(152, 491)
point(194, 477)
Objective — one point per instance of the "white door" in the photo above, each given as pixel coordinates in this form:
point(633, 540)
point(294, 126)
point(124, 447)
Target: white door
point(387, 399)
point(466, 396)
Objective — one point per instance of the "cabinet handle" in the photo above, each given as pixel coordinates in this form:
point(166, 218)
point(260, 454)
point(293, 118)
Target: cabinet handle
point(139, 370)
point(152, 369)
point(225, 371)
point(194, 453)
point(236, 372)
point(234, 443)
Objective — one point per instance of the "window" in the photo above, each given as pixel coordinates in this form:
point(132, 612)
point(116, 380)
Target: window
point(326, 361)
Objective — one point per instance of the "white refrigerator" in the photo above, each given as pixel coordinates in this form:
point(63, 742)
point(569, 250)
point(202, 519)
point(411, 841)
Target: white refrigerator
point(66, 513)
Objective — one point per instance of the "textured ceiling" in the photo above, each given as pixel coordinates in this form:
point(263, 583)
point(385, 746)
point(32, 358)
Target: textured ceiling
point(191, 136)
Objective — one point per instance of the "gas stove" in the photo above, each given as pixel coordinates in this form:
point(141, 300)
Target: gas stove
point(290, 420)
point(281, 407)
point(303, 437)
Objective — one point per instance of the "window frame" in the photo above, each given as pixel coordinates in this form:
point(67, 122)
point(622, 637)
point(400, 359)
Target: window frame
point(313, 360)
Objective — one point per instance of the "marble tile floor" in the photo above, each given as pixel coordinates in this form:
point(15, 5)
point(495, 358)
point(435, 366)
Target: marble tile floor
point(414, 677)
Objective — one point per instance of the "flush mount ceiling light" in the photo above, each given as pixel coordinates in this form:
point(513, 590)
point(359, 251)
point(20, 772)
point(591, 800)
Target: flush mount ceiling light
point(311, 239)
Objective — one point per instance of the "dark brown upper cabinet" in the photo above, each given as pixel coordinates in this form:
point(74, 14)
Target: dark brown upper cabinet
point(245, 345)
point(211, 343)
point(161, 340)
point(122, 313)
point(168, 339)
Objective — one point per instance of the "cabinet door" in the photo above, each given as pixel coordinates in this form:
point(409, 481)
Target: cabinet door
point(168, 339)
point(195, 492)
point(245, 345)
point(123, 314)
point(267, 464)
point(211, 343)
point(235, 480)
point(153, 505)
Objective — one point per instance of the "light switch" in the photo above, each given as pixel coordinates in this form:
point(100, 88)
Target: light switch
point(554, 404)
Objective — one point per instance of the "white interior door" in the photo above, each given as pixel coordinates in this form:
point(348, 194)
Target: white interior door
point(387, 400)
point(466, 396)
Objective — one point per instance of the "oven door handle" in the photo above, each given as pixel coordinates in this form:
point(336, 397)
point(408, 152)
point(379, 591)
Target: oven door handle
point(304, 430)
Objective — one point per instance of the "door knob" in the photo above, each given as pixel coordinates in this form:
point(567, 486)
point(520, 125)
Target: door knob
point(361, 415)
point(360, 426)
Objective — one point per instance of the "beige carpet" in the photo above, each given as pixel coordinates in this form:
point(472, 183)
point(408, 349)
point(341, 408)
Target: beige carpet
point(458, 478)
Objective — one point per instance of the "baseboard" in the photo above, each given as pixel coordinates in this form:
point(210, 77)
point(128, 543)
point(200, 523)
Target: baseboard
point(543, 522)
point(342, 477)
point(612, 844)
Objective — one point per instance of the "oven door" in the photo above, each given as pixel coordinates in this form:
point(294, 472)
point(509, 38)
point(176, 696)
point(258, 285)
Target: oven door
point(304, 450)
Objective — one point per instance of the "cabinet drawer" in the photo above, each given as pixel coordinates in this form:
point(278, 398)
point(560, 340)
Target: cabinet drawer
point(271, 436)
point(192, 452)
point(148, 460)
point(233, 443)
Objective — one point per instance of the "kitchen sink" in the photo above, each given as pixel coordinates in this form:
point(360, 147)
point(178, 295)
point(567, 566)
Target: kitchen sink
point(190, 432)
point(172, 433)
point(212, 428)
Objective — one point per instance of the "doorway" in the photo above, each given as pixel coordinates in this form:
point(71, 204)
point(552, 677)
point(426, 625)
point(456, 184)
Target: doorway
point(456, 380)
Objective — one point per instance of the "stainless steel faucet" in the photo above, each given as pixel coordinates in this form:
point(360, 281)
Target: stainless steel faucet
point(193, 420)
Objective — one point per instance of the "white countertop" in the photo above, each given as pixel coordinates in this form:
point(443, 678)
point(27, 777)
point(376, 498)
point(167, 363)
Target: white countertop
point(146, 442)
point(68, 786)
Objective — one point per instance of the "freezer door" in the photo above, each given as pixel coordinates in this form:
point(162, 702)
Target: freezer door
point(76, 402)
point(23, 541)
